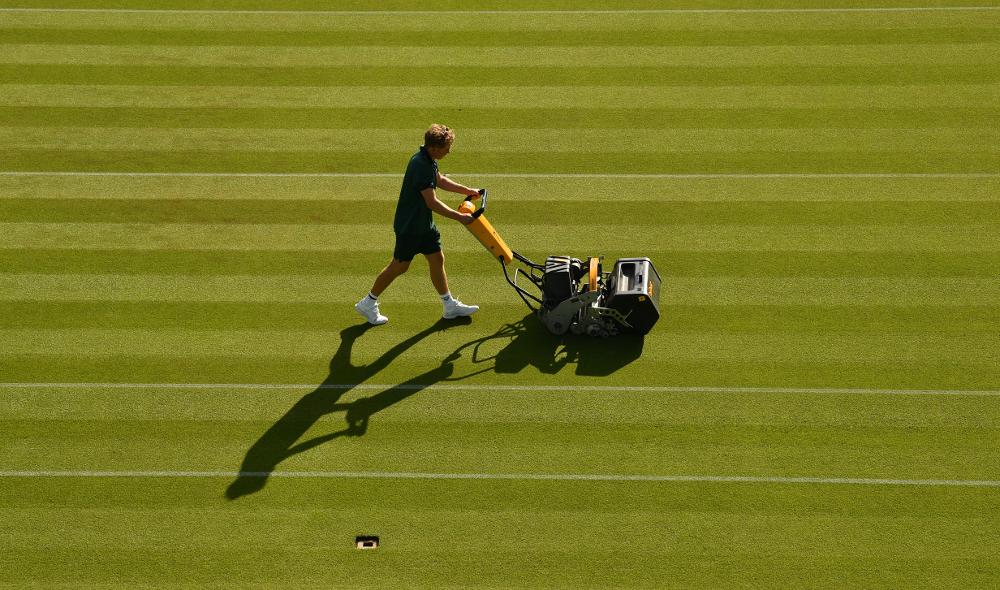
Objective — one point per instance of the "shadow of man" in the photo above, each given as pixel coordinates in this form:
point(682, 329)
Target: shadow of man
point(281, 440)
point(529, 344)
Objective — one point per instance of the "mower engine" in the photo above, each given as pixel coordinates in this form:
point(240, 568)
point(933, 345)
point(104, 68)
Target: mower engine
point(578, 297)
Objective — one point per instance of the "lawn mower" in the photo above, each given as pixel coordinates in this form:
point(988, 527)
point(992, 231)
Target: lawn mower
point(575, 295)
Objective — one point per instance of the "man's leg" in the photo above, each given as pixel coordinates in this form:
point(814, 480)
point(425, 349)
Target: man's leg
point(438, 275)
point(453, 308)
point(368, 306)
point(389, 274)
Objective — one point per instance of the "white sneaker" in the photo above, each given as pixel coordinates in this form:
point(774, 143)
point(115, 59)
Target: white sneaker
point(453, 308)
point(369, 308)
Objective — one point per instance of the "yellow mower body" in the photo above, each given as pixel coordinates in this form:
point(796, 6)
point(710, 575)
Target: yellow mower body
point(487, 236)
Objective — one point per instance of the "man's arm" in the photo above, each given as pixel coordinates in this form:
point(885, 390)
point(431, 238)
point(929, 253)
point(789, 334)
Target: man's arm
point(451, 186)
point(435, 205)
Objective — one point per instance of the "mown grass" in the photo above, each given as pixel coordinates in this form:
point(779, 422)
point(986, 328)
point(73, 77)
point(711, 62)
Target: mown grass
point(818, 191)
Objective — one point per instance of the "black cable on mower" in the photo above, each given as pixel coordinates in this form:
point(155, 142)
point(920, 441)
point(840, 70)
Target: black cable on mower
point(527, 262)
point(524, 294)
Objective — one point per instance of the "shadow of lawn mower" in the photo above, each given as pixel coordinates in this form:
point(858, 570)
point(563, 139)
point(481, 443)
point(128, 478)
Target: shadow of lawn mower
point(514, 347)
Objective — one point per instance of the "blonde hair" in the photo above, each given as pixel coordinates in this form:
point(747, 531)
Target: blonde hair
point(438, 135)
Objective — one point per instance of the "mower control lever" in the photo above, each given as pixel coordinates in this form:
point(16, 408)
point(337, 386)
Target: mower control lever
point(478, 212)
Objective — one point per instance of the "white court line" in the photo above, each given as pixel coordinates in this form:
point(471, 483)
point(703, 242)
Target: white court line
point(527, 388)
point(513, 12)
point(520, 175)
point(512, 476)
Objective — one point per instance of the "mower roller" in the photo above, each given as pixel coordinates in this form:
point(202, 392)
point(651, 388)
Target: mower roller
point(576, 295)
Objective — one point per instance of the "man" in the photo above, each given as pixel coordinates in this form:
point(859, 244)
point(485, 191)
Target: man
point(415, 229)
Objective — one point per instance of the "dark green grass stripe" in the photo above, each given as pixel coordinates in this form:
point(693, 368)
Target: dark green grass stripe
point(986, 117)
point(817, 318)
point(670, 263)
point(858, 504)
point(776, 161)
point(581, 211)
point(164, 75)
point(938, 449)
point(160, 369)
point(826, 264)
point(677, 319)
point(500, 38)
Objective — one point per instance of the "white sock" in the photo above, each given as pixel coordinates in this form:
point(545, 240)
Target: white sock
point(446, 297)
point(372, 297)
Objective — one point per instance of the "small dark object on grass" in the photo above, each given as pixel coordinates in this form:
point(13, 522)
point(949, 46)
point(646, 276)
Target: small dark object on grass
point(366, 542)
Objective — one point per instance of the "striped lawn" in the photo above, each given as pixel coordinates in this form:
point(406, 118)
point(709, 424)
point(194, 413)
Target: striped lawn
point(195, 196)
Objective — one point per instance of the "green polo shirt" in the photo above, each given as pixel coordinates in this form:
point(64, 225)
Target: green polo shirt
point(413, 216)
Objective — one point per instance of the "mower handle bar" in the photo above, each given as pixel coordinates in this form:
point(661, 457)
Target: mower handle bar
point(478, 212)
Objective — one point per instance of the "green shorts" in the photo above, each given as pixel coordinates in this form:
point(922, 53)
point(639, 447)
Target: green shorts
point(409, 245)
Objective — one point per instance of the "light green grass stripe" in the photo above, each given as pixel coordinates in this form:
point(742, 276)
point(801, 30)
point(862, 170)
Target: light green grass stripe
point(516, 8)
point(348, 288)
point(504, 97)
point(504, 140)
point(382, 475)
point(584, 23)
point(376, 55)
point(694, 346)
point(506, 192)
point(528, 237)
point(465, 36)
